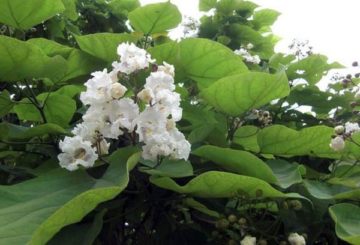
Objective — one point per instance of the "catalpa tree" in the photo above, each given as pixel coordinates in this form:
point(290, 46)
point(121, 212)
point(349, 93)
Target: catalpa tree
point(111, 132)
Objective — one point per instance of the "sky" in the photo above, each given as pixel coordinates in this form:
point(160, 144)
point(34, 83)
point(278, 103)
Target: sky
point(331, 26)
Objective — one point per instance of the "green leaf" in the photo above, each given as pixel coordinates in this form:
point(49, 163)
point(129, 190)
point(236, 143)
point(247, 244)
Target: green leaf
point(286, 173)
point(235, 95)
point(33, 211)
point(228, 6)
point(80, 63)
point(279, 60)
point(51, 48)
point(243, 34)
point(264, 17)
point(206, 61)
point(215, 184)
point(323, 190)
point(121, 8)
point(241, 162)
point(20, 60)
point(25, 14)
point(206, 5)
point(170, 168)
point(169, 52)
point(192, 203)
point(155, 18)
point(314, 67)
point(6, 104)
point(58, 109)
point(70, 9)
point(16, 132)
point(80, 234)
point(283, 141)
point(104, 45)
point(320, 101)
point(246, 136)
point(347, 221)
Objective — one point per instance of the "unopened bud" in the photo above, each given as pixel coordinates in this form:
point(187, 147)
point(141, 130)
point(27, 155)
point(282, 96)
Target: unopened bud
point(262, 242)
point(145, 95)
point(242, 221)
point(339, 129)
point(117, 90)
point(170, 124)
point(103, 147)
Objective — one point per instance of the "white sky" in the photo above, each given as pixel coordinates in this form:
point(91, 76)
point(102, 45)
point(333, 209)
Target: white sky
point(331, 26)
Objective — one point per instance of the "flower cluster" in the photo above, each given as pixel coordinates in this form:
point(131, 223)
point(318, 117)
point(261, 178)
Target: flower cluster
point(111, 113)
point(244, 53)
point(342, 133)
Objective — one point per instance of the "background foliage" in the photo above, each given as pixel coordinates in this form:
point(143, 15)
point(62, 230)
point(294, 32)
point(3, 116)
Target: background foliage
point(275, 173)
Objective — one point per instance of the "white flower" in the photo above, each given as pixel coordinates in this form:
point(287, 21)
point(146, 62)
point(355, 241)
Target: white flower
point(87, 130)
point(132, 58)
point(167, 68)
point(337, 143)
point(146, 95)
point(117, 90)
point(98, 88)
point(351, 127)
point(124, 112)
point(168, 103)
point(149, 123)
point(76, 152)
point(181, 147)
point(248, 240)
point(255, 59)
point(296, 239)
point(159, 81)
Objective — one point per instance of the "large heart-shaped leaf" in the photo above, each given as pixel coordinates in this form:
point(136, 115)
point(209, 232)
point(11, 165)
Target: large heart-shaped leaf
point(12, 132)
point(347, 220)
point(103, 45)
point(155, 18)
point(206, 61)
point(215, 184)
point(241, 162)
point(237, 94)
point(33, 211)
point(20, 60)
point(25, 14)
point(280, 140)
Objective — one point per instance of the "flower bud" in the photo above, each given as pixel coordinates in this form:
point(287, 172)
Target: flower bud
point(117, 90)
point(357, 95)
point(145, 95)
point(103, 147)
point(339, 129)
point(168, 69)
point(232, 218)
point(296, 205)
point(170, 124)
